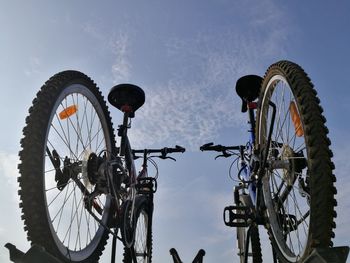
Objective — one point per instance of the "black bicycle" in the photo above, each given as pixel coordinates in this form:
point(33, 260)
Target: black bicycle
point(76, 186)
point(285, 179)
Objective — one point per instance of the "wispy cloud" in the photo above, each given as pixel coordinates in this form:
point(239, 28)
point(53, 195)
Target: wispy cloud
point(199, 101)
point(121, 67)
point(9, 173)
point(8, 167)
point(34, 66)
point(93, 31)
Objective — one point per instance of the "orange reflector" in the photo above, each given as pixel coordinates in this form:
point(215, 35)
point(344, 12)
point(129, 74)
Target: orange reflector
point(296, 119)
point(67, 112)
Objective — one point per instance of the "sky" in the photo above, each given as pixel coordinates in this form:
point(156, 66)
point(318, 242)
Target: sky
point(187, 56)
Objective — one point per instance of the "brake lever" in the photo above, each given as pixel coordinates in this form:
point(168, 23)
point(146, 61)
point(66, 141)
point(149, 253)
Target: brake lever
point(171, 158)
point(163, 157)
point(224, 154)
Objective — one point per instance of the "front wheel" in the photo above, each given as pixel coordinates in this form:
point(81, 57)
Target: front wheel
point(254, 249)
point(141, 249)
point(298, 185)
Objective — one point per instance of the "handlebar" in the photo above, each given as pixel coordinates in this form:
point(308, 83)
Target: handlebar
point(164, 151)
point(218, 148)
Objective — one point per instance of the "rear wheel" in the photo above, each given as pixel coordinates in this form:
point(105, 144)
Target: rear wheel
point(298, 186)
point(68, 126)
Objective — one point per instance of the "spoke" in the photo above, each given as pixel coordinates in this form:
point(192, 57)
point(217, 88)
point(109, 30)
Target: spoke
point(100, 144)
point(79, 138)
point(73, 216)
point(65, 200)
point(297, 229)
point(88, 127)
point(289, 119)
point(62, 129)
point(279, 188)
point(87, 218)
point(69, 182)
point(289, 233)
point(62, 206)
point(295, 134)
point(306, 215)
point(68, 131)
point(96, 135)
point(298, 209)
point(93, 117)
point(62, 139)
point(59, 192)
point(279, 115)
point(280, 133)
point(301, 147)
point(79, 224)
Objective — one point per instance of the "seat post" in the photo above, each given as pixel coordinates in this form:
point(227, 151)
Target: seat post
point(123, 131)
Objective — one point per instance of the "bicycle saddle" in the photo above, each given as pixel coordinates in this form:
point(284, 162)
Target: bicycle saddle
point(127, 97)
point(248, 88)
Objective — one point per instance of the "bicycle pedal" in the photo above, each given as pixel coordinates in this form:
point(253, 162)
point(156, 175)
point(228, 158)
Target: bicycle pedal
point(237, 216)
point(146, 185)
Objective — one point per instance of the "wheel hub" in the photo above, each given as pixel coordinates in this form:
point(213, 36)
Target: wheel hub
point(90, 164)
point(288, 174)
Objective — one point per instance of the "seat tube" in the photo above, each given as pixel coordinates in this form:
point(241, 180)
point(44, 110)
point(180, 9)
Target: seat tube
point(252, 187)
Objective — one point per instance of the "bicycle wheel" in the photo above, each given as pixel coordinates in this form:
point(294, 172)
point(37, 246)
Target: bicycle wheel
point(298, 186)
point(68, 124)
point(254, 250)
point(141, 250)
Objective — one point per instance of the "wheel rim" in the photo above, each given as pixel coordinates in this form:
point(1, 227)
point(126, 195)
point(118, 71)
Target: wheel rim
point(141, 238)
point(76, 135)
point(287, 202)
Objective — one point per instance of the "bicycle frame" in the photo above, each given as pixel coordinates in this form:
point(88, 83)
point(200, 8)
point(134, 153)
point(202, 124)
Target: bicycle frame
point(246, 168)
point(137, 185)
point(254, 186)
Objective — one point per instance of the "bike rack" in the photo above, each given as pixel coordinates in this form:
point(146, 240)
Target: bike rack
point(34, 255)
point(39, 254)
point(198, 258)
point(328, 255)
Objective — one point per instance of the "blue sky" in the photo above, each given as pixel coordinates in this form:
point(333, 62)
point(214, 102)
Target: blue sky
point(187, 56)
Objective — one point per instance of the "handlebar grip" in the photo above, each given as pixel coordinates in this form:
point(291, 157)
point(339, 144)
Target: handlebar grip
point(219, 148)
point(211, 147)
point(180, 149)
point(176, 149)
point(206, 147)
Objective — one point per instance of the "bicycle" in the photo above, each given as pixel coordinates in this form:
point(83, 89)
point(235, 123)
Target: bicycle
point(284, 170)
point(76, 186)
